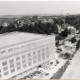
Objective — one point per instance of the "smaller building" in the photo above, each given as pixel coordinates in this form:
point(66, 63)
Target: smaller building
point(72, 30)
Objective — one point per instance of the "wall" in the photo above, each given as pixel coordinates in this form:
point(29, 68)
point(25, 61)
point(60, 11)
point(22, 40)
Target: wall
point(19, 58)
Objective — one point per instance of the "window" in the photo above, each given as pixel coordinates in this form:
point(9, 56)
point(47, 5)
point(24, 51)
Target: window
point(34, 57)
point(34, 61)
point(28, 45)
point(0, 75)
point(11, 61)
point(16, 48)
point(13, 77)
point(29, 59)
point(24, 65)
point(18, 58)
point(4, 63)
point(39, 56)
point(9, 50)
point(12, 66)
point(29, 54)
point(3, 51)
point(47, 48)
point(5, 68)
point(0, 70)
point(6, 73)
point(13, 70)
point(18, 63)
point(38, 51)
point(24, 61)
point(39, 59)
point(29, 63)
point(18, 68)
point(23, 46)
point(34, 53)
point(43, 56)
point(43, 49)
point(23, 57)
point(47, 52)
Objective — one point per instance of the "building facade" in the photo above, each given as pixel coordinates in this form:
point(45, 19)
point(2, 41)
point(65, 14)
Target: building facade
point(72, 30)
point(20, 52)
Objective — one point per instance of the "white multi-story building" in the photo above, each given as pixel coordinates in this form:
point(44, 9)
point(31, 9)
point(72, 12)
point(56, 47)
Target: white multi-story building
point(20, 52)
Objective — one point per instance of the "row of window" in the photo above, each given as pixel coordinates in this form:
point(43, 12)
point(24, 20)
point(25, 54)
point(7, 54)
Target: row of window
point(31, 59)
point(11, 49)
point(29, 55)
point(15, 48)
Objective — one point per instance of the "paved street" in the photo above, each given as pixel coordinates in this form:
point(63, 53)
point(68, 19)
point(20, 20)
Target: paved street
point(73, 70)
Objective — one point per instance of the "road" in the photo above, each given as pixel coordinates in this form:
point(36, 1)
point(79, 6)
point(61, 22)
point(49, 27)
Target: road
point(73, 70)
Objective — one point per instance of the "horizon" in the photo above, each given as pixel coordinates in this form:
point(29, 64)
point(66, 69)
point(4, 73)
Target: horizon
point(39, 8)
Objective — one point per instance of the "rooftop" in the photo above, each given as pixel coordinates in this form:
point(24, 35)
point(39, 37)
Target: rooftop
point(8, 39)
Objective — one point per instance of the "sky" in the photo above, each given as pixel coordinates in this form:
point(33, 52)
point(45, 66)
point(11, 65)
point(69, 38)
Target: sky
point(39, 7)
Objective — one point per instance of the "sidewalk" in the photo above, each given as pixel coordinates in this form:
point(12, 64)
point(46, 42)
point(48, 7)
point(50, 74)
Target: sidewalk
point(73, 70)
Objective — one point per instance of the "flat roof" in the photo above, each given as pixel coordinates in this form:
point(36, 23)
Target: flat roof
point(8, 39)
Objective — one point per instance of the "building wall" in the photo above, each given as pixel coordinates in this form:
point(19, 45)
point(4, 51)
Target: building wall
point(72, 30)
point(18, 58)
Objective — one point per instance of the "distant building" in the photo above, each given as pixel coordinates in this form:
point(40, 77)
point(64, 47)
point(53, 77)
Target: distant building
point(5, 24)
point(59, 28)
point(72, 30)
point(50, 20)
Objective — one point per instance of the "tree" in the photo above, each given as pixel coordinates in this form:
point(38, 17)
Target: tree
point(73, 40)
point(78, 45)
point(1, 27)
point(11, 27)
point(64, 33)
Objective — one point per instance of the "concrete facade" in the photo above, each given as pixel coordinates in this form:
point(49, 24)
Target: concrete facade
point(24, 51)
